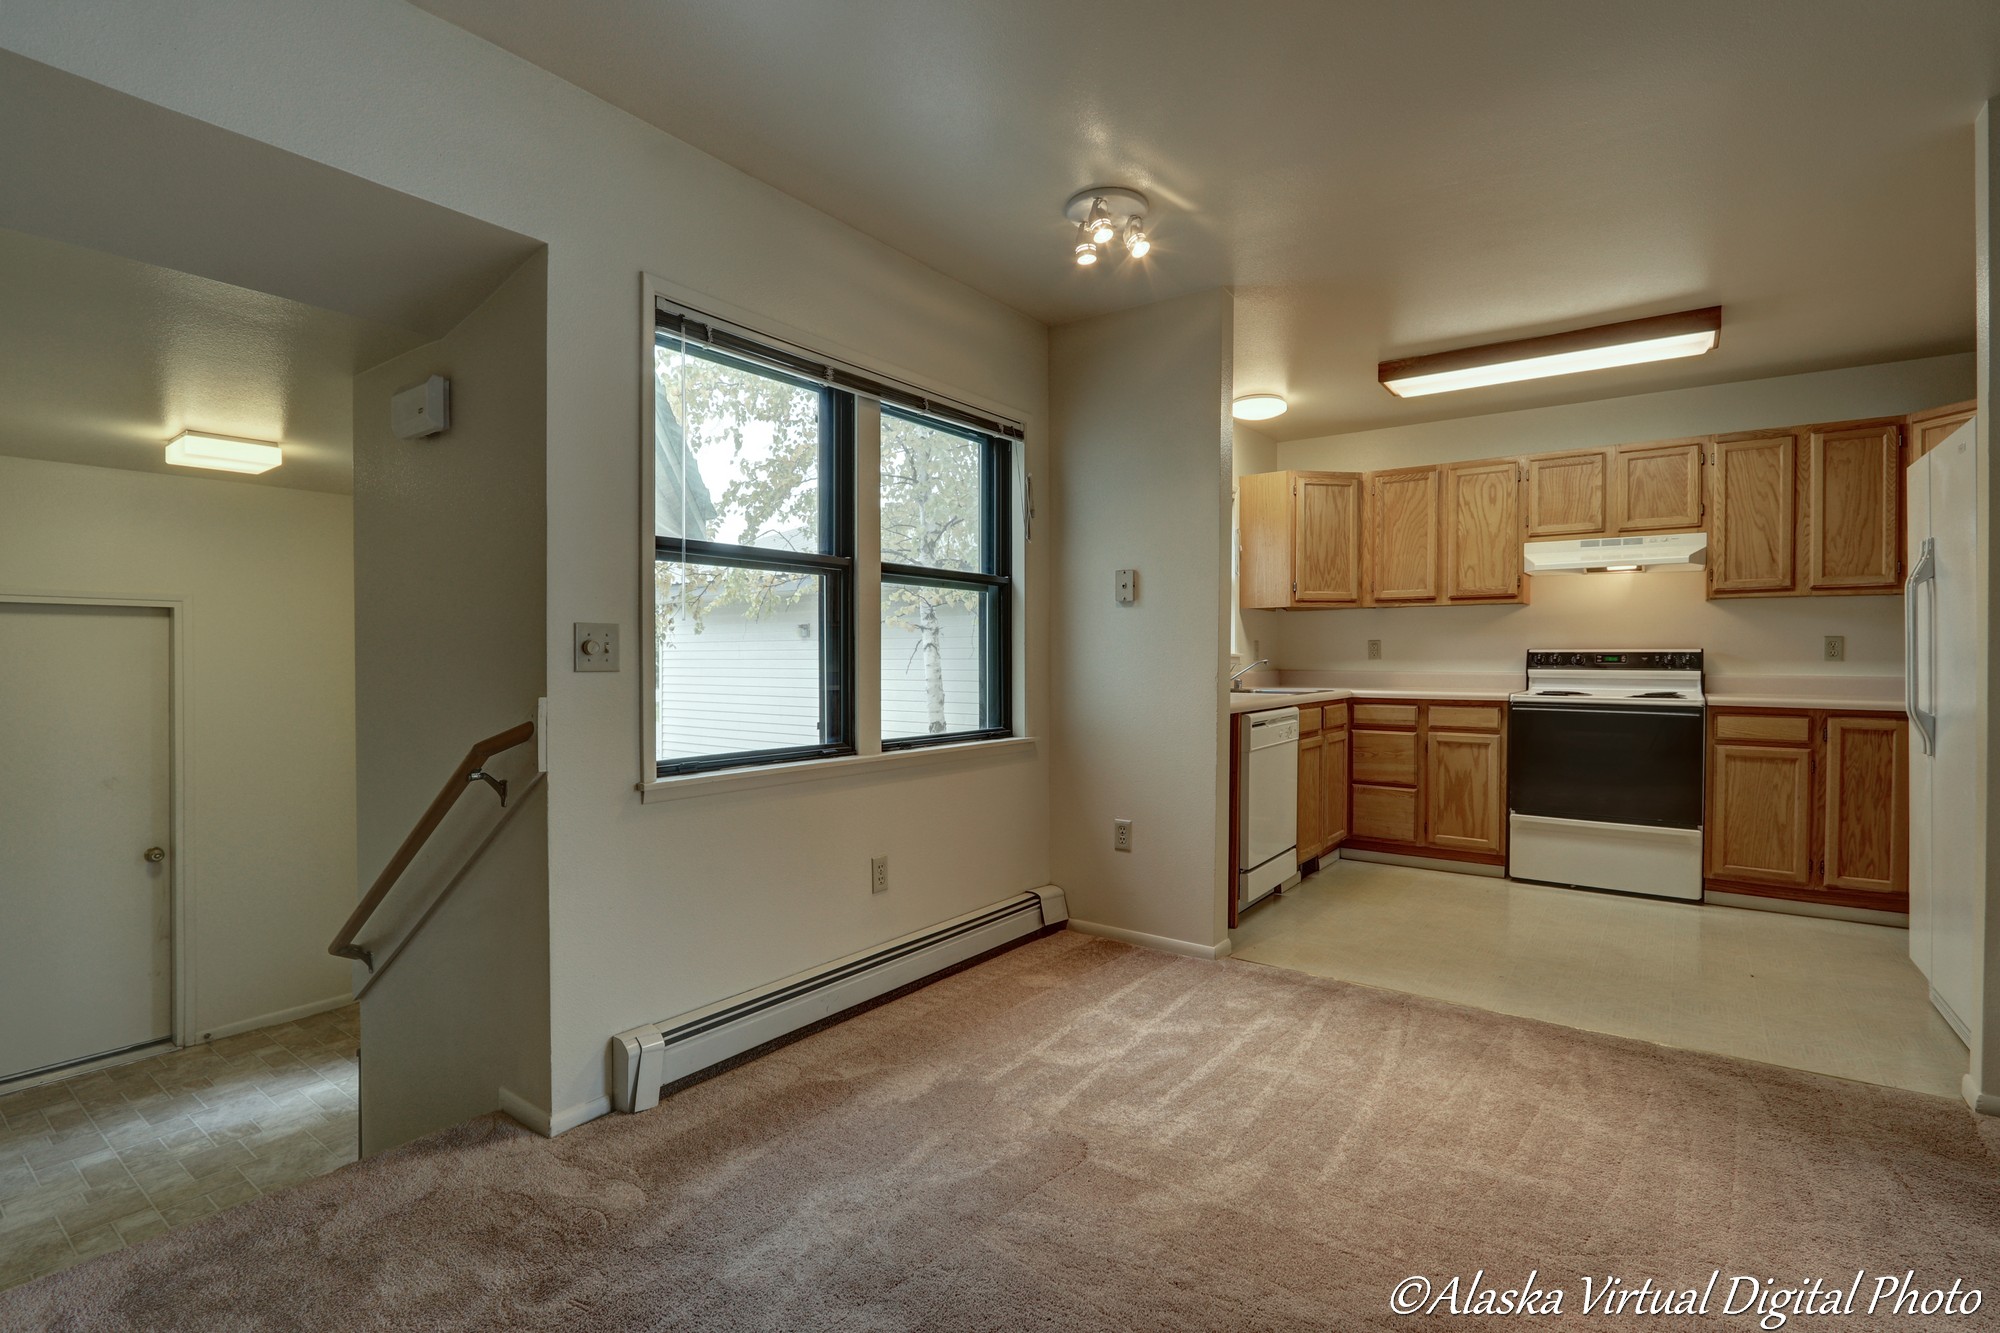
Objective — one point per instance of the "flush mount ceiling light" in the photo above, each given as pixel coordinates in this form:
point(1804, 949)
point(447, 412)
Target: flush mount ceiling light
point(222, 453)
point(1629, 343)
point(1258, 407)
point(1104, 214)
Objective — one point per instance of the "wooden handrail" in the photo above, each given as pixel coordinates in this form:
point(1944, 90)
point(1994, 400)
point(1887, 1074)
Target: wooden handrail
point(470, 769)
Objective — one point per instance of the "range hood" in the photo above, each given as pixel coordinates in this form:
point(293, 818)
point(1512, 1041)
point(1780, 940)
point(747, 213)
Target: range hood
point(1598, 555)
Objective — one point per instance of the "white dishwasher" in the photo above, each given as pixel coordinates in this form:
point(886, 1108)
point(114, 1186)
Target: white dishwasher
point(1267, 810)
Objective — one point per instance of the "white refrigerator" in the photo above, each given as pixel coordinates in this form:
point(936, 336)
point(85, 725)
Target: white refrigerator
point(1942, 655)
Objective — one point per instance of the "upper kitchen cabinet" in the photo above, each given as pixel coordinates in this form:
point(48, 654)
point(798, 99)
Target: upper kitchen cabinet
point(1753, 529)
point(1924, 431)
point(1658, 487)
point(1403, 534)
point(1568, 495)
point(1482, 532)
point(1853, 509)
point(1301, 539)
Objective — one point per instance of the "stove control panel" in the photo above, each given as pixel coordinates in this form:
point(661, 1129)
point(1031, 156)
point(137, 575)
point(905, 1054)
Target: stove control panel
point(1674, 660)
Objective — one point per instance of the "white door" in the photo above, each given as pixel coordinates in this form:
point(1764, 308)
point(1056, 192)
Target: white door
point(86, 951)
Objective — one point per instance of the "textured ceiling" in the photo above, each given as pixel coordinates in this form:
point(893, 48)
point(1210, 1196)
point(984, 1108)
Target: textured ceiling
point(102, 360)
point(1374, 179)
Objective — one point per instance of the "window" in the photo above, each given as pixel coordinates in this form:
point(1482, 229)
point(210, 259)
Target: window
point(945, 607)
point(755, 569)
point(753, 562)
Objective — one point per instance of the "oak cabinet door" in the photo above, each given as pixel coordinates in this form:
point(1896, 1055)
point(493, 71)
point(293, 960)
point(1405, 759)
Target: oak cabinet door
point(1867, 805)
point(1312, 797)
point(1333, 784)
point(1482, 526)
point(1403, 518)
point(1264, 577)
point(1567, 494)
point(1464, 792)
point(1657, 487)
point(1760, 814)
point(1753, 527)
point(1925, 431)
point(1385, 758)
point(1327, 538)
point(1854, 504)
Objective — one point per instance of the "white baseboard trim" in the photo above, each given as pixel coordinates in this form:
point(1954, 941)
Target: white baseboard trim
point(563, 1121)
point(526, 1112)
point(292, 1015)
point(1165, 944)
point(1985, 1103)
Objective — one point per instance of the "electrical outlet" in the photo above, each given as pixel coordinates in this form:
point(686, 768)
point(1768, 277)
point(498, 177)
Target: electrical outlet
point(1374, 650)
point(1121, 835)
point(878, 875)
point(1836, 648)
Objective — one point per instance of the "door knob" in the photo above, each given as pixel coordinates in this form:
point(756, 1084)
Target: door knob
point(156, 854)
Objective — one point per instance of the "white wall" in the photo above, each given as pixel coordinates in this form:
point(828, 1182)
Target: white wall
point(1139, 415)
point(265, 575)
point(449, 577)
point(1251, 451)
point(1762, 636)
point(656, 909)
point(1982, 1085)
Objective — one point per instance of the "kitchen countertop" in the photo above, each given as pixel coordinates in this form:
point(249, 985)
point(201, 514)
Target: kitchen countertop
point(1257, 703)
point(1849, 693)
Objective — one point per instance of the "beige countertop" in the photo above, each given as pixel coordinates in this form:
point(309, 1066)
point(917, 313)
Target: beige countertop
point(1257, 703)
point(1857, 693)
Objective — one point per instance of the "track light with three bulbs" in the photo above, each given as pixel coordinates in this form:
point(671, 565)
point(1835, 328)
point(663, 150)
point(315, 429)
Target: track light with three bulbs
point(1105, 214)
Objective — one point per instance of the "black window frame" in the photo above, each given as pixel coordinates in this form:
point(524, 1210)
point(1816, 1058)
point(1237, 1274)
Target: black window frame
point(835, 568)
point(996, 610)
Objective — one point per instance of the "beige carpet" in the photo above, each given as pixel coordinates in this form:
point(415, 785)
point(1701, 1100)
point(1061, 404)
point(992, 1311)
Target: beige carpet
point(1082, 1135)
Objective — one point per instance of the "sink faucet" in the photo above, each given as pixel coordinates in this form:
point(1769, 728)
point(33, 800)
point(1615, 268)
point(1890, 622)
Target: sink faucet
point(1235, 676)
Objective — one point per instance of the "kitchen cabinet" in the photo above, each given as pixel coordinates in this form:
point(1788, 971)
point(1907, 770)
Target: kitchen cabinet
point(1312, 785)
point(1854, 508)
point(1568, 495)
point(1483, 532)
point(1333, 779)
point(1403, 534)
point(1300, 539)
point(1753, 526)
point(1429, 779)
point(1809, 805)
point(1924, 431)
point(1658, 487)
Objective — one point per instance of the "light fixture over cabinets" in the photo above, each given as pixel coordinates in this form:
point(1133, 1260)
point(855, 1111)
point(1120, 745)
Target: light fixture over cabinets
point(1104, 214)
point(1628, 343)
point(223, 453)
point(1258, 407)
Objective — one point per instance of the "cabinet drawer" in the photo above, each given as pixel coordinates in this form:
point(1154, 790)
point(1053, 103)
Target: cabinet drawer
point(1385, 715)
point(1385, 813)
point(1774, 730)
point(1465, 717)
point(1388, 757)
point(1336, 716)
point(1308, 721)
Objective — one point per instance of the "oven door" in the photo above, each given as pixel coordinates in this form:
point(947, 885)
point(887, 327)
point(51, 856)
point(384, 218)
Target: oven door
point(1606, 763)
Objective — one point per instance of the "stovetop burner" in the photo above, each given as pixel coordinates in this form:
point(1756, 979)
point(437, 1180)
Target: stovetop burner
point(1660, 694)
point(1551, 693)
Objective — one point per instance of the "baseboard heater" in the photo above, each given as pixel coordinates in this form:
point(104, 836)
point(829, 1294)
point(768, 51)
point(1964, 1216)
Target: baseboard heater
point(645, 1059)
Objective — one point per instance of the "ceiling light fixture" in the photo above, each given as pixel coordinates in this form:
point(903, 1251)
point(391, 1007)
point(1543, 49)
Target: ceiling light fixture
point(1631, 342)
point(223, 453)
point(1103, 214)
point(1258, 407)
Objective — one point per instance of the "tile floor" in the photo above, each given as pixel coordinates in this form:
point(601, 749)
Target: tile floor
point(1836, 997)
point(106, 1159)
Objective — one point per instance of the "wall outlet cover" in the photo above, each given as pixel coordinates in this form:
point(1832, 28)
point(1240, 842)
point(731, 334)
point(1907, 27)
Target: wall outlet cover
point(1121, 835)
point(1128, 587)
point(1835, 648)
point(878, 874)
point(1374, 650)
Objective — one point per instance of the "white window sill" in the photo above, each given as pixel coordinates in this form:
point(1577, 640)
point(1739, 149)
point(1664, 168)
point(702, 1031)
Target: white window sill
point(813, 770)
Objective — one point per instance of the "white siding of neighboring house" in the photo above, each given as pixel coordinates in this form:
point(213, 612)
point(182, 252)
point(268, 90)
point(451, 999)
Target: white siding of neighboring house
point(743, 684)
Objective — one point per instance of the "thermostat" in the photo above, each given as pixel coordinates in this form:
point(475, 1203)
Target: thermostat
point(421, 410)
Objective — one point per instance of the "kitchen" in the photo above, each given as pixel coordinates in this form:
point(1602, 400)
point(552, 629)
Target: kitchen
point(1536, 778)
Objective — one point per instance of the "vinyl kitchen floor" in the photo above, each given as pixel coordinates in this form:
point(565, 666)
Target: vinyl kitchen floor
point(109, 1158)
point(1834, 997)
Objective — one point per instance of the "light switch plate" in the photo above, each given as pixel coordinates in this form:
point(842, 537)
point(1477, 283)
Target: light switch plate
point(595, 647)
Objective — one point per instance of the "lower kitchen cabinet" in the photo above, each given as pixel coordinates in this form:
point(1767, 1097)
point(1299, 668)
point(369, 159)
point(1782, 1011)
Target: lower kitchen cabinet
point(1809, 805)
point(1322, 779)
point(1429, 779)
point(1333, 769)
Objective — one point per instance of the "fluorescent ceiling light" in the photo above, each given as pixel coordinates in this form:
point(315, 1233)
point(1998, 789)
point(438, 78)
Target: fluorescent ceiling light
point(222, 453)
point(1630, 343)
point(1257, 407)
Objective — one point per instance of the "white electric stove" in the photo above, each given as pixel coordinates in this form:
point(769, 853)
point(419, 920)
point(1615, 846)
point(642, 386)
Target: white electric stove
point(1605, 757)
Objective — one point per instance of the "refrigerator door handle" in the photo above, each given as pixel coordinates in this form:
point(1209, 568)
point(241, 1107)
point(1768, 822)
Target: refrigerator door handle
point(1922, 572)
